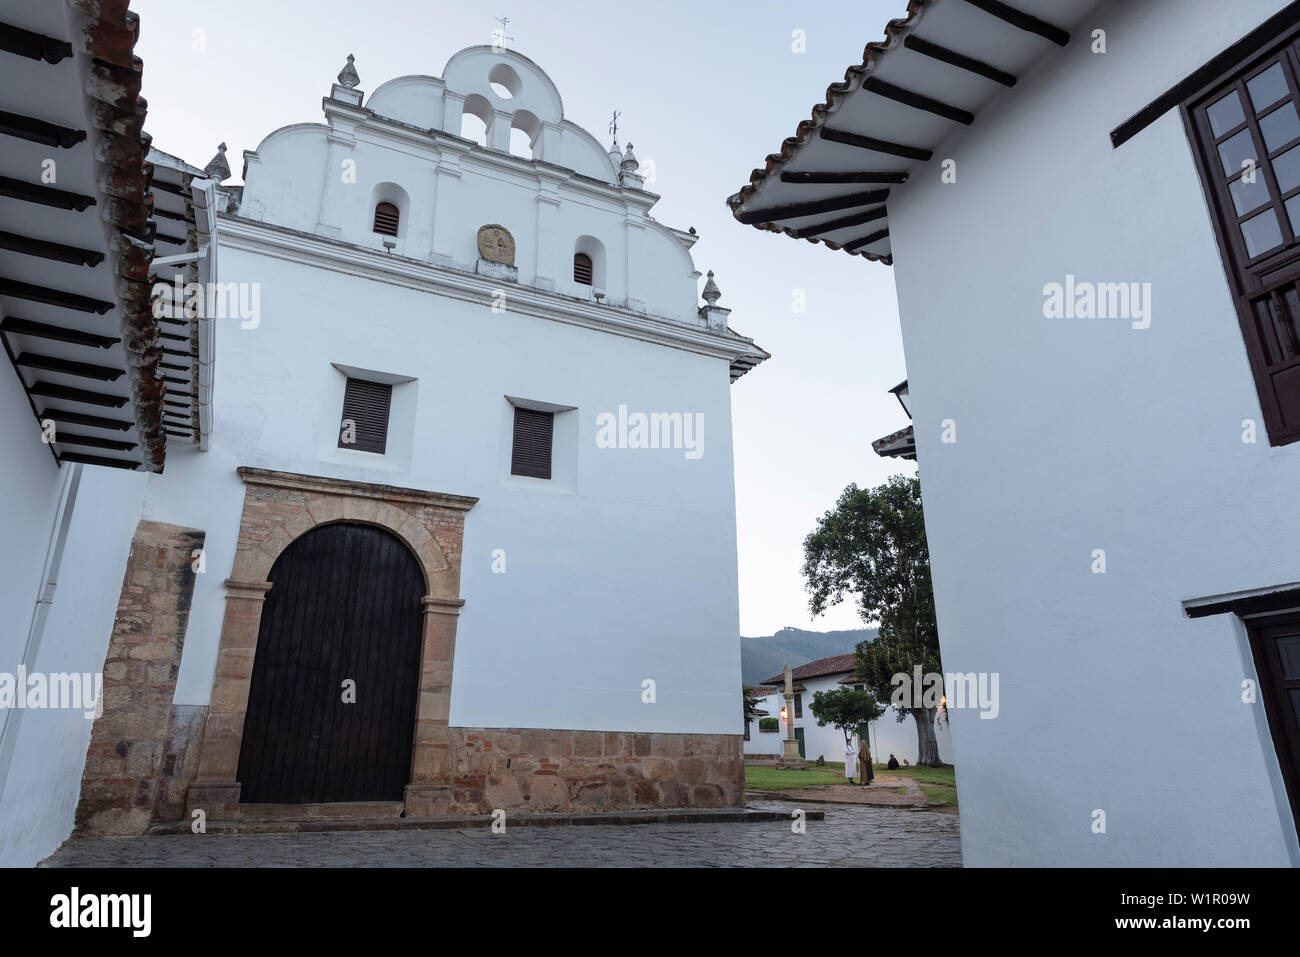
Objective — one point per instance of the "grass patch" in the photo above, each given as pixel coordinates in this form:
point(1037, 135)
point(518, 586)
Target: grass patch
point(937, 784)
point(766, 778)
point(940, 793)
point(944, 775)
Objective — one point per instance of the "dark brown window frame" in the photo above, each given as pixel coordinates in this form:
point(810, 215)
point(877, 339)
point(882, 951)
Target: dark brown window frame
point(1283, 725)
point(1265, 288)
point(369, 405)
point(532, 449)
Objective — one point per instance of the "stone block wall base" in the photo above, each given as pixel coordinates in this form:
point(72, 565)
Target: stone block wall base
point(427, 800)
point(129, 742)
point(529, 769)
point(219, 800)
point(180, 761)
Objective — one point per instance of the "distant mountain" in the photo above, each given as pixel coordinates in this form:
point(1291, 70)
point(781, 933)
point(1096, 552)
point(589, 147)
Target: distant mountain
point(762, 658)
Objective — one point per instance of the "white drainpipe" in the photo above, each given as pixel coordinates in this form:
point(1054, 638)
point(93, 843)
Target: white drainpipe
point(204, 194)
point(44, 599)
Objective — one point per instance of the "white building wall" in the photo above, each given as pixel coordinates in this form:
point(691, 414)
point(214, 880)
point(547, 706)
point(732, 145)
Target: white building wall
point(621, 569)
point(43, 783)
point(1089, 434)
point(30, 478)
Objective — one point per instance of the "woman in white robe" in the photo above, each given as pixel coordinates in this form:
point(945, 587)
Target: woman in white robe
point(850, 761)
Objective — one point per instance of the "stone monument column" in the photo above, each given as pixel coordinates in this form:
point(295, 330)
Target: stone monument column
point(790, 746)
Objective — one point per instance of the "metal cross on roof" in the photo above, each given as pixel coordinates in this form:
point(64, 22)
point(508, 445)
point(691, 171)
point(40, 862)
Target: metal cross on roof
point(499, 37)
point(613, 126)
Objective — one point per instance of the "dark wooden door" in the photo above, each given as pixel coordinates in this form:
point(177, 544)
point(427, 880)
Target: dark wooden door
point(344, 606)
point(1275, 643)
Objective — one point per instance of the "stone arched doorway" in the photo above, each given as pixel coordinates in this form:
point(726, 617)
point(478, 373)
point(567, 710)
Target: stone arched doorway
point(279, 508)
point(332, 699)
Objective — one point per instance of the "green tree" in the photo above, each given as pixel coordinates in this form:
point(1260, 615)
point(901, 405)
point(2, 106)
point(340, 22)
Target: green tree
point(751, 703)
point(845, 709)
point(872, 545)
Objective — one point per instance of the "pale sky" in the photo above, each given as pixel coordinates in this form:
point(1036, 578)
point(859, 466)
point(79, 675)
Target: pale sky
point(705, 92)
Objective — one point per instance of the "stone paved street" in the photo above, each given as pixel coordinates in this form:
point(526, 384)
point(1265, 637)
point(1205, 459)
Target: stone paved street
point(848, 837)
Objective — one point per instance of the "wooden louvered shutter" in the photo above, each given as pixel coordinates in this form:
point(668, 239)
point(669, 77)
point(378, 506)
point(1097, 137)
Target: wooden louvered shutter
point(366, 404)
point(1246, 132)
point(532, 450)
point(582, 269)
point(386, 219)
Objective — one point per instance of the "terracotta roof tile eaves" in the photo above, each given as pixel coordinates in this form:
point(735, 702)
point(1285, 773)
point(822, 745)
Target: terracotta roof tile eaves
point(116, 111)
point(835, 94)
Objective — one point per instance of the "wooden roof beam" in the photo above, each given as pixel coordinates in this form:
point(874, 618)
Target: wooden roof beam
point(82, 418)
point(34, 46)
point(49, 250)
point(52, 297)
point(866, 240)
point(1022, 21)
point(871, 143)
point(971, 65)
point(899, 177)
point(794, 210)
point(41, 330)
point(830, 225)
point(917, 101)
point(38, 131)
point(45, 195)
point(83, 370)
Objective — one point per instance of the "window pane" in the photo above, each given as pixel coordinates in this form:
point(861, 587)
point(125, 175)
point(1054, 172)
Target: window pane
point(1247, 195)
point(1288, 649)
point(1267, 88)
point(1293, 213)
point(1280, 127)
point(1235, 151)
point(1287, 169)
point(1225, 114)
point(1261, 233)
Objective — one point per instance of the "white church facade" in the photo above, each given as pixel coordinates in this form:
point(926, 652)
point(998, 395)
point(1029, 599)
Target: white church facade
point(447, 518)
point(1092, 211)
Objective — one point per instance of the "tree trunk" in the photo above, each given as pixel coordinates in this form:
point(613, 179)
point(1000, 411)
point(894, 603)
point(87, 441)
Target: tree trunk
point(927, 748)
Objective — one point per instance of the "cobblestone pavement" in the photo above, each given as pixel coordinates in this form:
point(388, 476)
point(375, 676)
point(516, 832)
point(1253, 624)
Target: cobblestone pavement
point(848, 837)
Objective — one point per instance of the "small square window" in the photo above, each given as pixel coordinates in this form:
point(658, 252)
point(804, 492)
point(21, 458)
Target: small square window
point(531, 455)
point(364, 425)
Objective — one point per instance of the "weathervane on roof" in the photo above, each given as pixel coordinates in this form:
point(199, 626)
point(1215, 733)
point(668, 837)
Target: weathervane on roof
point(499, 37)
point(613, 126)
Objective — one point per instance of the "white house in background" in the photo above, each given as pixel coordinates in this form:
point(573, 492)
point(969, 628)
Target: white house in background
point(1097, 277)
point(758, 742)
point(456, 424)
point(886, 735)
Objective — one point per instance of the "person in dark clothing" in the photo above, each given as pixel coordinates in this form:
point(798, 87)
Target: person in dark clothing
point(893, 763)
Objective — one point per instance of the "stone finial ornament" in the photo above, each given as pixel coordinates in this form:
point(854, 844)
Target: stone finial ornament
point(348, 76)
point(217, 167)
point(630, 163)
point(495, 244)
point(711, 292)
